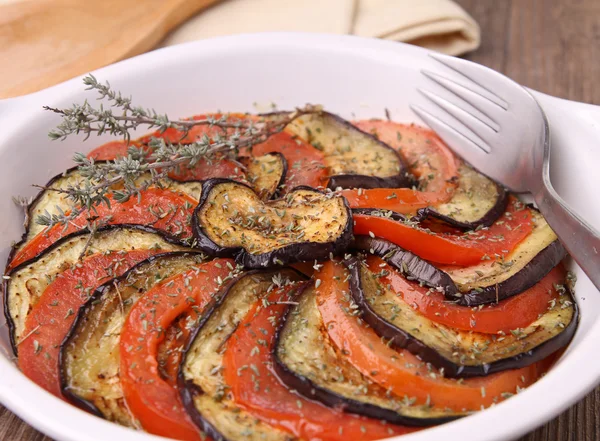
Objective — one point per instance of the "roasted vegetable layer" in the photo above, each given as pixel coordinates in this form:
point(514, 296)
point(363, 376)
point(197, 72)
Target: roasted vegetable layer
point(461, 353)
point(90, 353)
point(203, 390)
point(266, 174)
point(27, 282)
point(307, 361)
point(354, 158)
point(231, 220)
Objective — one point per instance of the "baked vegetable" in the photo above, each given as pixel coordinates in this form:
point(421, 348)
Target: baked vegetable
point(495, 279)
point(231, 221)
point(444, 245)
point(182, 298)
point(168, 209)
point(266, 174)
point(461, 353)
point(26, 283)
point(203, 390)
point(90, 374)
point(448, 189)
point(497, 318)
point(328, 353)
point(247, 361)
point(489, 281)
point(306, 165)
point(354, 158)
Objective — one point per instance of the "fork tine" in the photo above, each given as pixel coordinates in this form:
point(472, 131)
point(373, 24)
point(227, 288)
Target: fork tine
point(474, 123)
point(485, 78)
point(479, 105)
point(467, 145)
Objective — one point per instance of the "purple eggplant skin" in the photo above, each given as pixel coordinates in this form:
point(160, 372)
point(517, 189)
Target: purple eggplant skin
point(399, 339)
point(187, 389)
point(278, 191)
point(409, 264)
point(401, 180)
point(363, 181)
point(95, 297)
point(308, 389)
point(296, 252)
point(486, 220)
point(11, 327)
point(531, 273)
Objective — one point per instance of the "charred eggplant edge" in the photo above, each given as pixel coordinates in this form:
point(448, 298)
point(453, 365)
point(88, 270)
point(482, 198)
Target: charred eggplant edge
point(81, 312)
point(30, 207)
point(310, 390)
point(486, 220)
point(400, 339)
point(402, 179)
point(187, 389)
point(277, 192)
point(5, 291)
point(286, 255)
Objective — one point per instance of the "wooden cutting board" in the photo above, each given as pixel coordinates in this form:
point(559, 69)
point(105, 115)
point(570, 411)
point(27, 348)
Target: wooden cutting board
point(44, 42)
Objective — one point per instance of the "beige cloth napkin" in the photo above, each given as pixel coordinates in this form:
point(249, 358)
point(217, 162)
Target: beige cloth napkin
point(436, 24)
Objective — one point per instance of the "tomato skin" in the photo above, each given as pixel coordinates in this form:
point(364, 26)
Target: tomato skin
point(400, 371)
point(512, 313)
point(162, 209)
point(274, 403)
point(153, 400)
point(425, 153)
point(306, 165)
point(112, 150)
point(449, 246)
point(399, 200)
point(52, 317)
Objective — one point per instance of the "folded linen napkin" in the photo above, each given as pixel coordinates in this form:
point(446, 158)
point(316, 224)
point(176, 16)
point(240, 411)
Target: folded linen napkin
point(440, 25)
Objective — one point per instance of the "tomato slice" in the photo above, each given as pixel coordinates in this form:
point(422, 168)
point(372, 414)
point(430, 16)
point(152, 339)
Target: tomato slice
point(443, 244)
point(52, 317)
point(162, 209)
point(112, 150)
point(259, 391)
point(305, 163)
point(512, 313)
point(153, 400)
point(400, 200)
point(400, 371)
point(425, 153)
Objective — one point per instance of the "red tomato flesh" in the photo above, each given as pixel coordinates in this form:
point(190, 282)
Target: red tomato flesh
point(427, 156)
point(515, 312)
point(449, 246)
point(51, 318)
point(153, 400)
point(162, 209)
point(259, 391)
point(305, 163)
point(400, 371)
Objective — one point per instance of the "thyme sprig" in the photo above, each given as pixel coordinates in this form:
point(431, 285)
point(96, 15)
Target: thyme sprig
point(148, 165)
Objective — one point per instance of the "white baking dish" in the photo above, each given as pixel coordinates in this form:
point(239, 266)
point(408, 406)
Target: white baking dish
point(351, 76)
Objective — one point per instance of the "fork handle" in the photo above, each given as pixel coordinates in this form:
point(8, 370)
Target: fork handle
point(580, 239)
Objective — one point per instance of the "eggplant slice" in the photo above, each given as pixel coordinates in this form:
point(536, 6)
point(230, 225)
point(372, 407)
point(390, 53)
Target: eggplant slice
point(26, 283)
point(459, 353)
point(89, 359)
point(266, 174)
point(202, 387)
point(356, 159)
point(307, 361)
point(232, 221)
point(488, 282)
point(478, 201)
point(48, 200)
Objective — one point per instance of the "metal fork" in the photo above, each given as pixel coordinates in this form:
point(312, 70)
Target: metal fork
point(499, 128)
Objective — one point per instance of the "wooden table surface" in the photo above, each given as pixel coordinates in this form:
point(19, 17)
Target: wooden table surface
point(552, 46)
